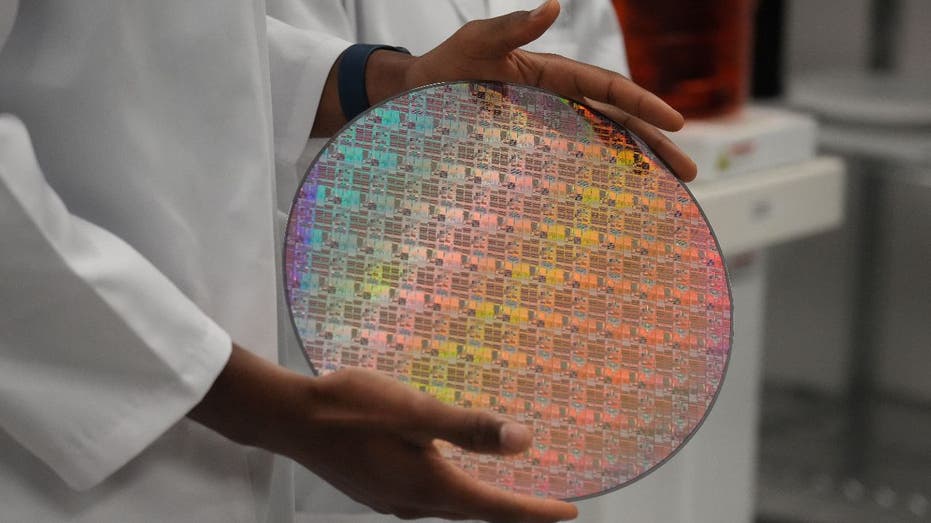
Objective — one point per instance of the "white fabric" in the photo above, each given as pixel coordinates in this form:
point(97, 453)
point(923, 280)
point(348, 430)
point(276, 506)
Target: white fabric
point(143, 365)
point(586, 30)
point(137, 246)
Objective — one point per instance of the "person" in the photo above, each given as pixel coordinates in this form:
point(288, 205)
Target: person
point(138, 158)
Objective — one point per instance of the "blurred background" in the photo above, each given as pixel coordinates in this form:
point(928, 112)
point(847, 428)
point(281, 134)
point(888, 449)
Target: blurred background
point(845, 432)
point(811, 124)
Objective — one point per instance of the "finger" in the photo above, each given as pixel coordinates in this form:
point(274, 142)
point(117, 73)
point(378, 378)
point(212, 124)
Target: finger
point(579, 81)
point(681, 165)
point(472, 429)
point(483, 501)
point(498, 36)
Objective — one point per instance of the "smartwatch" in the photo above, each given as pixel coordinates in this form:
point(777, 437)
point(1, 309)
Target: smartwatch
point(353, 97)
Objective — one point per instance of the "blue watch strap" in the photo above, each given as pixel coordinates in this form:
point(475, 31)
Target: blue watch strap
point(353, 97)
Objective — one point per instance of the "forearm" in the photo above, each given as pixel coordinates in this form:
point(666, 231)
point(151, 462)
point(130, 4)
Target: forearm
point(255, 402)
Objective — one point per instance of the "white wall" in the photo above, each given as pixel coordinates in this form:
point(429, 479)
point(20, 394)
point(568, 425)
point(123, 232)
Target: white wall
point(826, 34)
point(811, 293)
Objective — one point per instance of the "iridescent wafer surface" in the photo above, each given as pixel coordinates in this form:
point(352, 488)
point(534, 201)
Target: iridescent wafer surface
point(503, 248)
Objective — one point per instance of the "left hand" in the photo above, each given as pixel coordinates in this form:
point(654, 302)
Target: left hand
point(373, 438)
point(490, 50)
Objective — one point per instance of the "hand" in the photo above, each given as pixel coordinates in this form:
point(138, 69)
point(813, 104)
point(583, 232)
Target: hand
point(373, 438)
point(489, 50)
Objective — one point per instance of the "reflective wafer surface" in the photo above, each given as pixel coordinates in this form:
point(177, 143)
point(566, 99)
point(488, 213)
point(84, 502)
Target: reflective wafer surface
point(503, 248)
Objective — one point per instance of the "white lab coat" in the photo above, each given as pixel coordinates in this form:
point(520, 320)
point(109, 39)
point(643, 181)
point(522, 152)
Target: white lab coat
point(137, 238)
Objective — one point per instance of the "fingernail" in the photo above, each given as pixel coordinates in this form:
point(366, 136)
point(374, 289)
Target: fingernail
point(514, 437)
point(540, 8)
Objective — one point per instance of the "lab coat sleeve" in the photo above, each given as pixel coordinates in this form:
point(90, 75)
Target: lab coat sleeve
point(299, 63)
point(99, 352)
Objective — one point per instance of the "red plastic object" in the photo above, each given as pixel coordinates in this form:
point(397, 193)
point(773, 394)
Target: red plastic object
point(694, 54)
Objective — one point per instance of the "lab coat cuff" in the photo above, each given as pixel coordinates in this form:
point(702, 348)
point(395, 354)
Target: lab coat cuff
point(147, 416)
point(300, 62)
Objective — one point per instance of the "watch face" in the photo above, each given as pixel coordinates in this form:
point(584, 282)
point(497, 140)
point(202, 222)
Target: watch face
point(502, 248)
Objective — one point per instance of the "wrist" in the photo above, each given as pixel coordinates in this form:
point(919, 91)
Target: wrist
point(364, 80)
point(255, 402)
point(386, 74)
point(292, 417)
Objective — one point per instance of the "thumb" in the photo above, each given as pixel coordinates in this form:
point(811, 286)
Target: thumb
point(479, 431)
point(500, 35)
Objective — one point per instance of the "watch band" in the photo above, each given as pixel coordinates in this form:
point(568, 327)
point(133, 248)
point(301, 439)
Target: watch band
point(353, 97)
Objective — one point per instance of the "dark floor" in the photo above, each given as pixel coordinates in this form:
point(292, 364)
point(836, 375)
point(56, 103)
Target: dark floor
point(823, 461)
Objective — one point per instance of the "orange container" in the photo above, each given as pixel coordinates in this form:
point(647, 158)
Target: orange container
point(694, 54)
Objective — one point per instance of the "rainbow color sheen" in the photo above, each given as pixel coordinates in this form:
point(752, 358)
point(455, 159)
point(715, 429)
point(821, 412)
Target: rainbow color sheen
point(503, 248)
